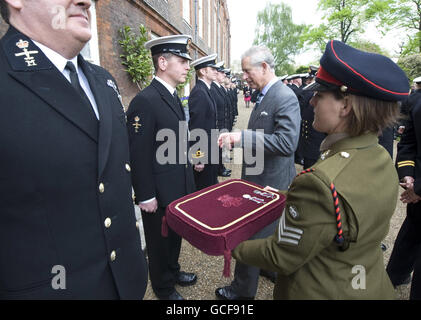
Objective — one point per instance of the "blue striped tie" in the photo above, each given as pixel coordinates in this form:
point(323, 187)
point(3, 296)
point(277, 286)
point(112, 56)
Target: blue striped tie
point(259, 99)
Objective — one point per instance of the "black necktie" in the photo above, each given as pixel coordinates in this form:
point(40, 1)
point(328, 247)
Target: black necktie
point(74, 80)
point(178, 101)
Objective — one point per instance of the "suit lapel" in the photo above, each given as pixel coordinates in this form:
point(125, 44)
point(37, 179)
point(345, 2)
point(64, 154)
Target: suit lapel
point(48, 83)
point(102, 93)
point(257, 111)
point(168, 98)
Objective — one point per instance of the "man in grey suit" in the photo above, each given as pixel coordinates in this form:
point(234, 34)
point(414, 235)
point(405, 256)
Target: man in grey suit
point(273, 132)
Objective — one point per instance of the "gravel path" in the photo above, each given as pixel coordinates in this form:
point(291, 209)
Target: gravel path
point(209, 268)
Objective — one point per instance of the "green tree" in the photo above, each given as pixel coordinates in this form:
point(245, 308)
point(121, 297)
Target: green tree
point(276, 30)
point(368, 46)
point(401, 14)
point(301, 69)
point(181, 86)
point(136, 57)
point(411, 64)
point(343, 20)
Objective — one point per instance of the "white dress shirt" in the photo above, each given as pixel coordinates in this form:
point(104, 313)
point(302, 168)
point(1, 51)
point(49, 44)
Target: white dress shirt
point(170, 88)
point(60, 63)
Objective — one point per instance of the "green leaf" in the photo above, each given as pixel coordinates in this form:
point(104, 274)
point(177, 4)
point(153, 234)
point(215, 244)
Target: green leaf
point(135, 56)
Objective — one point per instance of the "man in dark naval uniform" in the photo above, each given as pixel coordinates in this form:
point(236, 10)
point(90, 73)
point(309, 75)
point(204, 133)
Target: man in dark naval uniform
point(228, 92)
point(406, 254)
point(68, 227)
point(310, 138)
point(159, 174)
point(222, 107)
point(234, 91)
point(202, 108)
point(296, 86)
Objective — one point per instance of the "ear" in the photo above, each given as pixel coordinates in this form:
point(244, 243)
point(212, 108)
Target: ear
point(265, 67)
point(162, 63)
point(346, 108)
point(15, 4)
point(203, 72)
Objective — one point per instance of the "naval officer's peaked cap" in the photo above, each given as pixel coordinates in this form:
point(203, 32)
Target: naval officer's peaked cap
point(220, 66)
point(361, 73)
point(177, 45)
point(204, 62)
point(417, 80)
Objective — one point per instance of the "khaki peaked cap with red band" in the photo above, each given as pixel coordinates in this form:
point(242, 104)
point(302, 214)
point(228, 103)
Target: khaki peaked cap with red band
point(361, 73)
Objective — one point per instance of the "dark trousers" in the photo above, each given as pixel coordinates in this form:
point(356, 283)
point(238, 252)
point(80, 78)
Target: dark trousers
point(406, 254)
point(416, 280)
point(207, 177)
point(163, 253)
point(246, 277)
point(221, 166)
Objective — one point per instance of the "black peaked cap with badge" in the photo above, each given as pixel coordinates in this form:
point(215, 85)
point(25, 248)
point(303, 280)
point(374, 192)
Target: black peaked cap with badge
point(177, 45)
point(204, 62)
point(220, 66)
point(360, 73)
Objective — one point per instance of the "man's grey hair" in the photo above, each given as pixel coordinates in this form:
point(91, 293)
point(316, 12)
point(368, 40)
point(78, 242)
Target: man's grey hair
point(258, 55)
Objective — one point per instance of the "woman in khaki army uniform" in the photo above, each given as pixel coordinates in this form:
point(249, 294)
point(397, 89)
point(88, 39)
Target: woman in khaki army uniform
point(327, 245)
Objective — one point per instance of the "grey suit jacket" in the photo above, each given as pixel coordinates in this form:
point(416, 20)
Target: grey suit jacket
point(278, 118)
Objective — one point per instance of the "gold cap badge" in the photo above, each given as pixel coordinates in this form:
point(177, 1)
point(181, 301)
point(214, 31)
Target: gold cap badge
point(198, 154)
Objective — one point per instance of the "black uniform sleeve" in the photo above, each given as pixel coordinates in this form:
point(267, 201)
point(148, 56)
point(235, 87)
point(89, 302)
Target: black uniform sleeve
point(197, 116)
point(407, 150)
point(141, 130)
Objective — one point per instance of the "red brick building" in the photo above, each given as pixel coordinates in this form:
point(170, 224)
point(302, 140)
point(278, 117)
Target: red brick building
point(207, 21)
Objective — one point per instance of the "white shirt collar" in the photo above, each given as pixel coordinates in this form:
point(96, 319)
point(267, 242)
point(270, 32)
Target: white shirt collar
point(57, 59)
point(170, 88)
point(217, 84)
point(269, 85)
point(208, 85)
point(60, 63)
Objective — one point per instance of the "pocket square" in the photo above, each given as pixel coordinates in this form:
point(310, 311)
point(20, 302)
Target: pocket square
point(263, 113)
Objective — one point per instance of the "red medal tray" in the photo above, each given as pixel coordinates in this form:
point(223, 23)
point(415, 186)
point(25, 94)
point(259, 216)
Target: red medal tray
point(216, 219)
